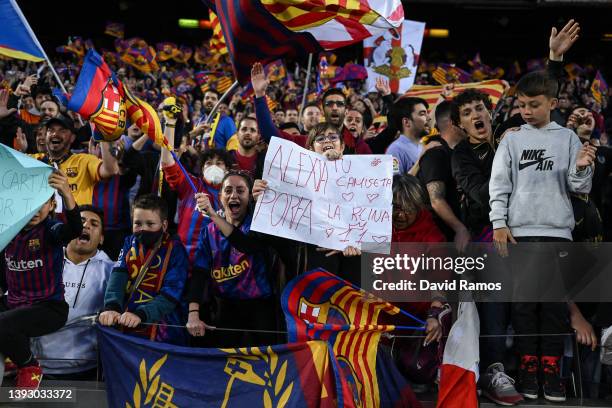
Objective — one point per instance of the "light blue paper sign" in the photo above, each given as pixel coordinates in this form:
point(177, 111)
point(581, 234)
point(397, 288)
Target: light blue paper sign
point(24, 188)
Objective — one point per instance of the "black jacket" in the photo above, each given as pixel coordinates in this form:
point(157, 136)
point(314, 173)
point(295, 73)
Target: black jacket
point(471, 166)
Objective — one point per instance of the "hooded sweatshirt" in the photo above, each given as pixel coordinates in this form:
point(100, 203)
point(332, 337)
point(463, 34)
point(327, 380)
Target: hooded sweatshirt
point(534, 170)
point(84, 287)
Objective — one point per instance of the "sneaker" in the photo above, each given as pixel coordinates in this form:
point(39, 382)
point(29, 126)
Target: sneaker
point(527, 381)
point(29, 377)
point(606, 346)
point(554, 389)
point(10, 368)
point(499, 387)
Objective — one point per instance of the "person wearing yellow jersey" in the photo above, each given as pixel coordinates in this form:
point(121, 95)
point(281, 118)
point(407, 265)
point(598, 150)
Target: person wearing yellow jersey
point(83, 170)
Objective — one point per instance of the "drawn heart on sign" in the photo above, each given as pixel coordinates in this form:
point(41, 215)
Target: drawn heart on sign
point(380, 238)
point(348, 196)
point(329, 231)
point(372, 197)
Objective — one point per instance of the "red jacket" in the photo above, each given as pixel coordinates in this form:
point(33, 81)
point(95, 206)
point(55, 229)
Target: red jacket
point(424, 229)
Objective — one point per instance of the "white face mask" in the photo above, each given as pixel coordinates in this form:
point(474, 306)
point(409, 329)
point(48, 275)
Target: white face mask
point(214, 174)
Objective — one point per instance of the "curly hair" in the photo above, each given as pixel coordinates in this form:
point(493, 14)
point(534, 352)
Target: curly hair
point(465, 97)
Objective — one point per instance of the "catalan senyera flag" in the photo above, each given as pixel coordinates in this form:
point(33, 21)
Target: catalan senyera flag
point(265, 30)
point(494, 88)
point(217, 42)
point(100, 97)
point(17, 40)
point(115, 29)
point(142, 373)
point(321, 306)
point(337, 24)
point(599, 88)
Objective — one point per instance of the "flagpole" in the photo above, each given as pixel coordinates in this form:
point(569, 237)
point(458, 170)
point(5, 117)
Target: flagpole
point(223, 97)
point(31, 32)
point(306, 84)
point(35, 39)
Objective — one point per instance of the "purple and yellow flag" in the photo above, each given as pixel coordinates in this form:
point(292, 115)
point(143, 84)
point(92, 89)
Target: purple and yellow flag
point(166, 50)
point(599, 88)
point(183, 54)
point(115, 29)
point(446, 73)
point(140, 55)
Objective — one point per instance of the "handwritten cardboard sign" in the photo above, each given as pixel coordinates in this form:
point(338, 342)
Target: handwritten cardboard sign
point(24, 188)
point(332, 204)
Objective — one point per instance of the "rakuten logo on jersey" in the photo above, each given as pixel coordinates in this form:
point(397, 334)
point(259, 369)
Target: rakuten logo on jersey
point(23, 265)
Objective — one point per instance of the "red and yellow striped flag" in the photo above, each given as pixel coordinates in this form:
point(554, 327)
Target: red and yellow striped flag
point(494, 88)
point(217, 42)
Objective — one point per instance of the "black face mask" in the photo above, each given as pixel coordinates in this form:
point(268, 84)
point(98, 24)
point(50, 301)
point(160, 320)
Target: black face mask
point(149, 238)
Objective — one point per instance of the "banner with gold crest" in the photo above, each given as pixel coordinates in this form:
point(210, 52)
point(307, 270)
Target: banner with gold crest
point(140, 373)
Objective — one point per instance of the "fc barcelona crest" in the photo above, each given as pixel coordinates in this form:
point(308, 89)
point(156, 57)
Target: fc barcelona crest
point(34, 244)
point(110, 118)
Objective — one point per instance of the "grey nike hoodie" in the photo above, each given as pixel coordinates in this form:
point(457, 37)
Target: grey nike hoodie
point(534, 170)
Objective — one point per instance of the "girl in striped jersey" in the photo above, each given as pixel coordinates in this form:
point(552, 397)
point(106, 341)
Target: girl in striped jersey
point(31, 269)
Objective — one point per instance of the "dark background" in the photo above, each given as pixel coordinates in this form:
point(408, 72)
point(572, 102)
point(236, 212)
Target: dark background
point(501, 31)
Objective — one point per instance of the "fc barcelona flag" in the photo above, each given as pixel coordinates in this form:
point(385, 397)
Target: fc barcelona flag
point(265, 30)
point(599, 88)
point(99, 96)
point(141, 373)
point(321, 306)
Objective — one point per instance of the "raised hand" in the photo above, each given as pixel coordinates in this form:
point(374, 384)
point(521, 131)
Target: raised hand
point(4, 112)
point(561, 41)
point(258, 80)
point(586, 156)
point(382, 86)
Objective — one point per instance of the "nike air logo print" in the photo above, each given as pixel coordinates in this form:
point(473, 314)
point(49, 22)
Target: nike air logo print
point(531, 157)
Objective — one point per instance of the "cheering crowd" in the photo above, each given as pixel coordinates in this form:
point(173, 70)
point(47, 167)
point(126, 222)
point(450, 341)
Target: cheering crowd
point(136, 245)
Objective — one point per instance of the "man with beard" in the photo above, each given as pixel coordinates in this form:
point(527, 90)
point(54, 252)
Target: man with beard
point(436, 175)
point(334, 110)
point(222, 126)
point(472, 160)
point(83, 170)
point(246, 157)
point(49, 109)
point(411, 118)
point(86, 270)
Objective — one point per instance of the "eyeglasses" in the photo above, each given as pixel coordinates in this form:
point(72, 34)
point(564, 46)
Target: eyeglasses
point(339, 104)
point(326, 138)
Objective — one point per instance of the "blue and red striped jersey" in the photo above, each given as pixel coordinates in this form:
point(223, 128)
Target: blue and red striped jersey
point(112, 196)
point(33, 264)
point(234, 275)
point(190, 220)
